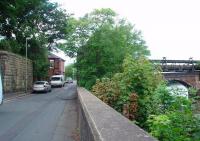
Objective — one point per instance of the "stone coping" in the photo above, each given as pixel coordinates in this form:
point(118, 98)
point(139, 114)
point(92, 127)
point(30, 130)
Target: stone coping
point(3, 52)
point(106, 124)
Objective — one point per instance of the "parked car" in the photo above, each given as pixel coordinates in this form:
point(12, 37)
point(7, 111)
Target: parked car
point(57, 80)
point(69, 80)
point(1, 90)
point(41, 86)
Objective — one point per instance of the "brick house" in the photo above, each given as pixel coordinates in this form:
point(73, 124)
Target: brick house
point(57, 65)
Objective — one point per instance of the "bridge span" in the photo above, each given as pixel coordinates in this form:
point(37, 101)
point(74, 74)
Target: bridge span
point(186, 72)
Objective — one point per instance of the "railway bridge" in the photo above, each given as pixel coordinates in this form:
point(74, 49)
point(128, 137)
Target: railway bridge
point(186, 72)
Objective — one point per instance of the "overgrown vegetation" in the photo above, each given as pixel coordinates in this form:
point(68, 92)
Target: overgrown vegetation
point(130, 92)
point(141, 95)
point(40, 20)
point(174, 118)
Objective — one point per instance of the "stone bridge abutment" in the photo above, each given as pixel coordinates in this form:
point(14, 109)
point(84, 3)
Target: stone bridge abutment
point(189, 79)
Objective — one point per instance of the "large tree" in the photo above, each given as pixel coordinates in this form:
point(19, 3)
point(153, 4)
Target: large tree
point(24, 18)
point(41, 20)
point(101, 42)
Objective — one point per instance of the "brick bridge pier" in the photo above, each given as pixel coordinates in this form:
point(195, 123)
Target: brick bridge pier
point(188, 79)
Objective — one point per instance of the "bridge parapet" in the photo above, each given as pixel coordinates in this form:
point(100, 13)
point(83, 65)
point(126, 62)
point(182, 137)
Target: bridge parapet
point(178, 65)
point(99, 122)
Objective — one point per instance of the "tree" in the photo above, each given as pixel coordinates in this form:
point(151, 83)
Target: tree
point(22, 18)
point(82, 29)
point(39, 59)
point(100, 43)
point(41, 20)
point(70, 71)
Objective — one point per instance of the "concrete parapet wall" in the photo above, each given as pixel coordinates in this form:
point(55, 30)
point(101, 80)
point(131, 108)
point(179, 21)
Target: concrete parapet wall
point(13, 69)
point(99, 122)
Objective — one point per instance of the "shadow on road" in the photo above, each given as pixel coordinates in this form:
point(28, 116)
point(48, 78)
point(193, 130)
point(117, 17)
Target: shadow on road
point(68, 92)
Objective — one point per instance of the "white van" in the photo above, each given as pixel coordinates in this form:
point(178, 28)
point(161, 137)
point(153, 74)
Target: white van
point(57, 80)
point(1, 90)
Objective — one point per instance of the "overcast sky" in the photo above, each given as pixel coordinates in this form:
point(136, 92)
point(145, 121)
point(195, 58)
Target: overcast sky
point(171, 28)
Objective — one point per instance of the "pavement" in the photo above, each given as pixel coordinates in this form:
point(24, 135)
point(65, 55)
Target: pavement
point(9, 96)
point(40, 116)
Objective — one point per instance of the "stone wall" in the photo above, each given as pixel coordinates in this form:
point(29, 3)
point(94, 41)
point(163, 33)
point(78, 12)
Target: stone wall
point(13, 69)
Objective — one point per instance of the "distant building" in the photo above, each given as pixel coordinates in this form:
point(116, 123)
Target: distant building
point(57, 65)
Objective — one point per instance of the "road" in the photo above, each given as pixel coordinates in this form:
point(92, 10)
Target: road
point(40, 117)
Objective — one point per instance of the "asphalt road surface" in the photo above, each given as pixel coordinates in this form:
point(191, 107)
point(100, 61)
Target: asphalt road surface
point(41, 116)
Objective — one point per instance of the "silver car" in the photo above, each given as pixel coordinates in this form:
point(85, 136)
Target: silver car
point(69, 80)
point(41, 86)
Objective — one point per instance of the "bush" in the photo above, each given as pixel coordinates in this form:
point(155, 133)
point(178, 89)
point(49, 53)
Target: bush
point(175, 126)
point(140, 94)
point(173, 119)
point(128, 92)
point(5, 45)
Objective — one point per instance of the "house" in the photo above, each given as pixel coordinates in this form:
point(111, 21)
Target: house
point(57, 65)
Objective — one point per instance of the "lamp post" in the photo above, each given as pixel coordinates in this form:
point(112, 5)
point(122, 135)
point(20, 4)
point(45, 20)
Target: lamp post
point(28, 38)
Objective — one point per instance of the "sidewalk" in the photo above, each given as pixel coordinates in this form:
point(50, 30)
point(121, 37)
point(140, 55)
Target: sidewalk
point(8, 96)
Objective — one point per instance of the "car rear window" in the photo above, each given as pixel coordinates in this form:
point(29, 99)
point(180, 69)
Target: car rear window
point(39, 82)
point(55, 78)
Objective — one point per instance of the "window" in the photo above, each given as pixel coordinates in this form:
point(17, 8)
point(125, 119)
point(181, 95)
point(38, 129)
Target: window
point(51, 63)
point(55, 78)
point(40, 82)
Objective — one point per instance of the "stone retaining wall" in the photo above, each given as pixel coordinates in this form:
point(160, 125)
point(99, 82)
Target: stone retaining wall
point(13, 69)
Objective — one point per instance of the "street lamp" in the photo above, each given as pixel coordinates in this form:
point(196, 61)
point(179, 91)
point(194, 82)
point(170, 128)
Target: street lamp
point(28, 38)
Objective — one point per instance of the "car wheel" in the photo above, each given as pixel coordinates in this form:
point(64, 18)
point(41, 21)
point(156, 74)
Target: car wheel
point(46, 90)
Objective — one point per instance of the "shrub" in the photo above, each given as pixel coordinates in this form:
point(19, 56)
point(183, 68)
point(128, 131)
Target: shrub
point(128, 92)
point(173, 119)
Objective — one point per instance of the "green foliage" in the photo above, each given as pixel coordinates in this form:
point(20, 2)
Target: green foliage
point(161, 100)
point(23, 18)
point(39, 59)
point(141, 77)
point(195, 99)
point(101, 44)
point(173, 119)
point(41, 20)
point(175, 126)
point(140, 94)
point(70, 71)
point(138, 77)
point(5, 45)
point(10, 45)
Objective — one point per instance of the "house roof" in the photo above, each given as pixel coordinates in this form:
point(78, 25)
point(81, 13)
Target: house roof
point(53, 56)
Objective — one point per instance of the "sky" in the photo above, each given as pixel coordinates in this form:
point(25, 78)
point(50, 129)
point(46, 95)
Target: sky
point(171, 28)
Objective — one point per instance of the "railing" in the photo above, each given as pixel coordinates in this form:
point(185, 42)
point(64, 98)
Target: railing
point(178, 65)
point(99, 122)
